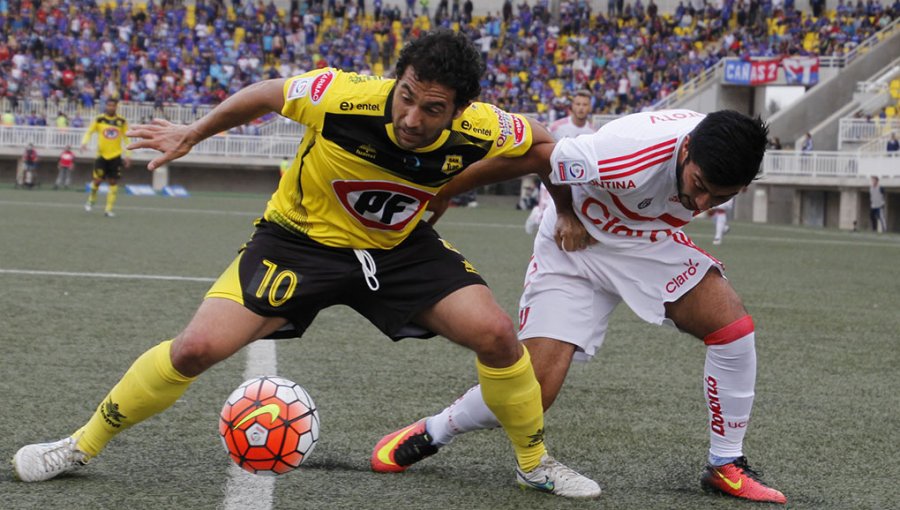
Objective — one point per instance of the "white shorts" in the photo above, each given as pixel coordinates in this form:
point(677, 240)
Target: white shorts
point(569, 296)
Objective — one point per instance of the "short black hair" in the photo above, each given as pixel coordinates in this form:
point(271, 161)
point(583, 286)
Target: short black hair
point(728, 146)
point(448, 58)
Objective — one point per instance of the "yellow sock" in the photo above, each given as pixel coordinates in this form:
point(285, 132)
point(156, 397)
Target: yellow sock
point(150, 386)
point(513, 394)
point(92, 198)
point(111, 196)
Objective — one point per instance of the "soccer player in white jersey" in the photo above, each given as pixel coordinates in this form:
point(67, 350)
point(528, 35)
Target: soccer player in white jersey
point(720, 220)
point(636, 182)
point(576, 123)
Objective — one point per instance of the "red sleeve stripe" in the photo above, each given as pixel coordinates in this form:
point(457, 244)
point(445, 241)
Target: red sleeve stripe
point(645, 166)
point(734, 331)
point(638, 153)
point(644, 157)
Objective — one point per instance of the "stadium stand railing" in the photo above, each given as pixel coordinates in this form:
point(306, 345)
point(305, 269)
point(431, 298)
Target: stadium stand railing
point(279, 126)
point(132, 111)
point(863, 131)
point(828, 164)
point(691, 86)
point(226, 145)
point(877, 146)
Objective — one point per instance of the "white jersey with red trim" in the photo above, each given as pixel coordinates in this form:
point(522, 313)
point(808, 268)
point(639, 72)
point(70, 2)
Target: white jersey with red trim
point(565, 128)
point(632, 195)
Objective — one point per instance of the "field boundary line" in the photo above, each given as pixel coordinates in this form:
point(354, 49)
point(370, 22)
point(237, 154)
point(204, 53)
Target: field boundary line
point(120, 276)
point(137, 208)
point(467, 224)
point(244, 490)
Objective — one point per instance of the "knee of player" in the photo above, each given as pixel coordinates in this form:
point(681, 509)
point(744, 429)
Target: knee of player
point(496, 336)
point(193, 353)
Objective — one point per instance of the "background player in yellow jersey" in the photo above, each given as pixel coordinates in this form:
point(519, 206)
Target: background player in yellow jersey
point(111, 139)
point(344, 228)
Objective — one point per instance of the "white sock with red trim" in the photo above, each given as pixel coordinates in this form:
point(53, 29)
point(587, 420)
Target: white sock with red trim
point(729, 379)
point(468, 413)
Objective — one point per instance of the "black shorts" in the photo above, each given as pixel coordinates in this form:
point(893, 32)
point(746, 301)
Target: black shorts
point(284, 274)
point(108, 168)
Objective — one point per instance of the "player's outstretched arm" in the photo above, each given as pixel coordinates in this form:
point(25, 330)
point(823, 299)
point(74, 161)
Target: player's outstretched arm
point(493, 170)
point(175, 140)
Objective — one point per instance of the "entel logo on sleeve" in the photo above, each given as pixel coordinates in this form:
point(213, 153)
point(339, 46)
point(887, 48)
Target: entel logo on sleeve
point(319, 86)
point(383, 205)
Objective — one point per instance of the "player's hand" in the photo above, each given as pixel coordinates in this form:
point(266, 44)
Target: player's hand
point(127, 162)
point(570, 233)
point(438, 206)
point(82, 148)
point(163, 136)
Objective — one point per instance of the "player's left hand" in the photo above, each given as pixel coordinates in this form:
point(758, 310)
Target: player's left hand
point(438, 206)
point(570, 233)
point(161, 135)
point(127, 162)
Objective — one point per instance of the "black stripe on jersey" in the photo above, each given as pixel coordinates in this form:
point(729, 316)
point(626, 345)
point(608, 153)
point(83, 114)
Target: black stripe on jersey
point(111, 121)
point(312, 143)
point(365, 136)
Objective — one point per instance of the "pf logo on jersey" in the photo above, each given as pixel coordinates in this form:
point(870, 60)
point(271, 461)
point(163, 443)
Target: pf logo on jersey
point(110, 133)
point(383, 205)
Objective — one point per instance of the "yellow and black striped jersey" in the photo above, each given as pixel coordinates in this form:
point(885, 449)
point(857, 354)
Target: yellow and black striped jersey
point(110, 135)
point(350, 185)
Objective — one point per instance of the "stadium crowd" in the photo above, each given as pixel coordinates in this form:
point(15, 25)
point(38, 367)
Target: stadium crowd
point(168, 52)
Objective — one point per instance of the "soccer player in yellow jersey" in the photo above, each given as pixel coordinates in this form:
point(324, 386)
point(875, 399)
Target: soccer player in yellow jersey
point(111, 132)
point(344, 228)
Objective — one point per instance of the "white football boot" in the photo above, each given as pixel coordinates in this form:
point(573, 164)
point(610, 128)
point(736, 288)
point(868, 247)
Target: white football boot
point(43, 461)
point(554, 477)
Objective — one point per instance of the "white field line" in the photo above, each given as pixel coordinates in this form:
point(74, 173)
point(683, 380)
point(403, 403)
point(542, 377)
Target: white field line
point(245, 490)
point(140, 208)
point(891, 242)
point(120, 276)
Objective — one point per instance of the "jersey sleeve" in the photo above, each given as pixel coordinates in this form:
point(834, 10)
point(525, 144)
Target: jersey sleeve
point(509, 133)
point(90, 131)
point(305, 94)
point(573, 160)
point(125, 140)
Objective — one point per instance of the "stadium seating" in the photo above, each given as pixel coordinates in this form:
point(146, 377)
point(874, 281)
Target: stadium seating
point(198, 54)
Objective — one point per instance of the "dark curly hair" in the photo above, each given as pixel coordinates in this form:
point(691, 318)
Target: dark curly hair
point(447, 58)
point(728, 146)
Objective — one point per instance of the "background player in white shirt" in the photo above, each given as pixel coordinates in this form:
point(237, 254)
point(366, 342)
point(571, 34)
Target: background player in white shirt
point(720, 220)
point(637, 181)
point(578, 120)
point(576, 123)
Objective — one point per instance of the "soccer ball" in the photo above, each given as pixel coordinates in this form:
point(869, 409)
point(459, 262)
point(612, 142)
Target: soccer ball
point(269, 425)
